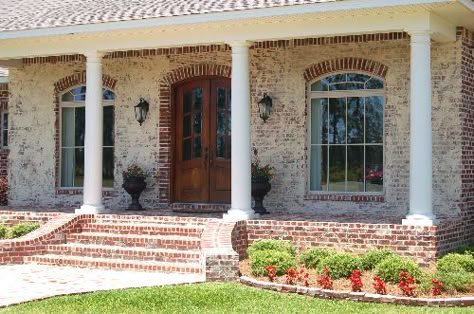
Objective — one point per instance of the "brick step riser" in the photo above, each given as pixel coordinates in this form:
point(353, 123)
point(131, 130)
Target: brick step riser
point(185, 223)
point(112, 265)
point(137, 256)
point(141, 243)
point(137, 230)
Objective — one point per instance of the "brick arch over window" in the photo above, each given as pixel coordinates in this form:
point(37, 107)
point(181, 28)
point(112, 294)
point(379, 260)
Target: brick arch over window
point(78, 78)
point(166, 123)
point(345, 64)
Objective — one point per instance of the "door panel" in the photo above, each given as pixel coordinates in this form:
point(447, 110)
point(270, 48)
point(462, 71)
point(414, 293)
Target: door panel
point(220, 141)
point(192, 137)
point(202, 141)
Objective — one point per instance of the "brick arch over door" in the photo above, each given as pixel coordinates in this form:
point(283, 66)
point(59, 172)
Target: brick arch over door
point(78, 78)
point(345, 64)
point(166, 123)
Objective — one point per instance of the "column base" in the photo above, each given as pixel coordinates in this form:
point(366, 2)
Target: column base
point(91, 209)
point(420, 220)
point(236, 214)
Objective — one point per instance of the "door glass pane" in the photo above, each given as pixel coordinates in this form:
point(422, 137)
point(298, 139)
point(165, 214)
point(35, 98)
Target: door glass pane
point(187, 100)
point(337, 120)
point(319, 121)
point(108, 167)
point(220, 148)
point(229, 153)
point(197, 123)
point(187, 149)
point(355, 120)
point(374, 119)
point(80, 124)
point(229, 122)
point(109, 113)
point(355, 168)
point(187, 126)
point(318, 175)
point(374, 168)
point(197, 98)
point(221, 122)
point(67, 127)
point(337, 168)
point(197, 147)
point(79, 167)
point(67, 167)
point(221, 98)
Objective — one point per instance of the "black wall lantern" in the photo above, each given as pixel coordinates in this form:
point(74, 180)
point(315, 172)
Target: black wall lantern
point(265, 107)
point(141, 110)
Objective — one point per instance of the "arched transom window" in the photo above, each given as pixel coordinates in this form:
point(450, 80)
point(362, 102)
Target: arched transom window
point(346, 136)
point(73, 134)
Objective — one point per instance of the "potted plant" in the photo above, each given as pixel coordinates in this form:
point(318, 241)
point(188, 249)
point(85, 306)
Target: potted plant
point(261, 176)
point(134, 183)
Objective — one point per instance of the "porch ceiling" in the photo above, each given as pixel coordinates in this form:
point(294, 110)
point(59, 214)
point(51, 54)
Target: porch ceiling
point(439, 16)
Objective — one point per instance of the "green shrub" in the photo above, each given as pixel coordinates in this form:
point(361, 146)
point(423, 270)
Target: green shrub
point(312, 257)
point(448, 262)
point(457, 278)
point(374, 257)
point(389, 269)
point(3, 231)
point(259, 259)
point(21, 229)
point(466, 249)
point(274, 245)
point(340, 264)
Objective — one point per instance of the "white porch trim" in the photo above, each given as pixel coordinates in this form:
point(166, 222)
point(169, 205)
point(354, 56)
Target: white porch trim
point(92, 197)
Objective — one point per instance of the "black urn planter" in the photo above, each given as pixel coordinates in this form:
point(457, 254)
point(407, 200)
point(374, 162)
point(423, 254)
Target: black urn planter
point(134, 186)
point(260, 187)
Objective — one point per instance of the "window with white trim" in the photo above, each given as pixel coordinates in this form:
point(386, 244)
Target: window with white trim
point(73, 135)
point(4, 129)
point(346, 137)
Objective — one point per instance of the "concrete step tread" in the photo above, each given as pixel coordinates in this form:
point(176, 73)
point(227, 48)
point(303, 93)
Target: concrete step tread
point(129, 224)
point(73, 245)
point(64, 258)
point(135, 236)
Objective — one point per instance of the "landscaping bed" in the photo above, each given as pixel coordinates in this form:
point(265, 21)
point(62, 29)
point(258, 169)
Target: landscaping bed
point(379, 272)
point(17, 230)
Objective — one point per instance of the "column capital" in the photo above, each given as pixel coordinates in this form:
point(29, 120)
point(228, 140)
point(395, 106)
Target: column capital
point(92, 56)
point(239, 44)
point(420, 36)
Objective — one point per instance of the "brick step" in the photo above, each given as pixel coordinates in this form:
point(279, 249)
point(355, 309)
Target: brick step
point(135, 240)
point(128, 253)
point(144, 228)
point(171, 220)
point(109, 263)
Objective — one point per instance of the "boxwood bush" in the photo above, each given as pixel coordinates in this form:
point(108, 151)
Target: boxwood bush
point(457, 279)
point(3, 231)
point(374, 257)
point(389, 269)
point(340, 264)
point(271, 244)
point(282, 259)
point(312, 257)
point(450, 262)
point(21, 229)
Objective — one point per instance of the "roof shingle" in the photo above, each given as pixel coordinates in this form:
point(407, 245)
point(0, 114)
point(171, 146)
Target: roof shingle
point(35, 14)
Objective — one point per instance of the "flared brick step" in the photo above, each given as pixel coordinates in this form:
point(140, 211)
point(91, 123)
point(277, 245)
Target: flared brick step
point(144, 228)
point(128, 253)
point(133, 240)
point(108, 263)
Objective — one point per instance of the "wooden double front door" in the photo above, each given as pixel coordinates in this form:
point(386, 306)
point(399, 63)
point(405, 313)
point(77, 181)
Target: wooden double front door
point(202, 141)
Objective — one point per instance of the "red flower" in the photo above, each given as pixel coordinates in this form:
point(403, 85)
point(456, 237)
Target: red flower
point(356, 281)
point(379, 285)
point(271, 271)
point(437, 286)
point(407, 284)
point(324, 280)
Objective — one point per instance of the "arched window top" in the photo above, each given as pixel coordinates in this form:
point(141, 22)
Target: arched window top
point(79, 94)
point(347, 81)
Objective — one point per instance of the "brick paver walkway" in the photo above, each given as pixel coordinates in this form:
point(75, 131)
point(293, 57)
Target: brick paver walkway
point(20, 283)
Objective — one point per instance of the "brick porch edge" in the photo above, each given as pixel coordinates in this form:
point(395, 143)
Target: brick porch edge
point(357, 296)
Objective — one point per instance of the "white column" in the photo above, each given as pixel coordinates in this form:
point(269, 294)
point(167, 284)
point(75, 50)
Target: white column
point(93, 136)
point(421, 169)
point(241, 199)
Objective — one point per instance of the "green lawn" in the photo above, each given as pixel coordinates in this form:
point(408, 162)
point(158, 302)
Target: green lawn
point(208, 298)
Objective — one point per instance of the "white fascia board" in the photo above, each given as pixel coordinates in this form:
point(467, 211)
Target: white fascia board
point(218, 33)
point(329, 6)
point(468, 4)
